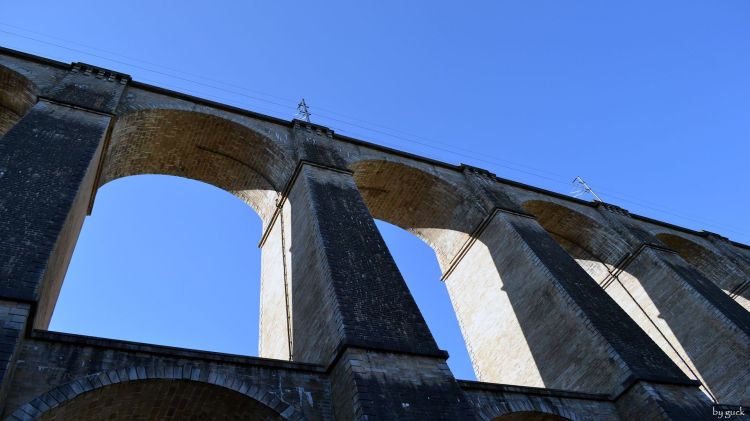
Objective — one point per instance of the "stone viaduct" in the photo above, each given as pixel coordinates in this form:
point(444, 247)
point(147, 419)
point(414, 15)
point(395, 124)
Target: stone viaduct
point(571, 310)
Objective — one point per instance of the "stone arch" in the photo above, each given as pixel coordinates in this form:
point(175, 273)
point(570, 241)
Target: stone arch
point(531, 416)
point(202, 147)
point(239, 396)
point(581, 236)
point(17, 95)
point(601, 253)
point(156, 230)
point(645, 288)
point(528, 410)
point(436, 210)
point(714, 266)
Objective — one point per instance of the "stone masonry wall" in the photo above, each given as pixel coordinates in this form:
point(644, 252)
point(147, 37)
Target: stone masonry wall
point(332, 294)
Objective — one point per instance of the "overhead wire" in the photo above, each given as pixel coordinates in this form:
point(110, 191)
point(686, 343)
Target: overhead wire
point(145, 69)
point(444, 148)
point(425, 142)
point(365, 125)
point(172, 69)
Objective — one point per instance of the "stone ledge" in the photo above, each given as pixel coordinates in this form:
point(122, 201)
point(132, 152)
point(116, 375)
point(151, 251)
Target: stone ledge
point(363, 345)
point(527, 390)
point(169, 351)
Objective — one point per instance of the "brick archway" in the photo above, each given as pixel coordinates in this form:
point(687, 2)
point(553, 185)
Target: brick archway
point(128, 393)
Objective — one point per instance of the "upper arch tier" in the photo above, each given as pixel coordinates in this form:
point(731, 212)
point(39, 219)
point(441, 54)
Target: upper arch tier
point(276, 149)
point(202, 147)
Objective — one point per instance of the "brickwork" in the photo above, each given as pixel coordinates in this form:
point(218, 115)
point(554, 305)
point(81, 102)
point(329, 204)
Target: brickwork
point(89, 87)
point(599, 250)
point(47, 183)
point(650, 401)
point(503, 402)
point(17, 96)
point(202, 147)
point(61, 367)
point(276, 291)
point(382, 385)
point(732, 278)
point(438, 212)
point(661, 293)
point(712, 344)
point(176, 400)
point(738, 254)
point(539, 281)
point(345, 285)
point(600, 343)
point(13, 319)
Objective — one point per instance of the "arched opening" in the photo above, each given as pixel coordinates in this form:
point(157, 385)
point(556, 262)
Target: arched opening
point(588, 241)
point(202, 147)
point(440, 215)
point(162, 399)
point(715, 267)
point(645, 288)
point(125, 267)
point(530, 416)
point(595, 247)
point(165, 260)
point(497, 302)
point(420, 270)
point(601, 253)
point(17, 96)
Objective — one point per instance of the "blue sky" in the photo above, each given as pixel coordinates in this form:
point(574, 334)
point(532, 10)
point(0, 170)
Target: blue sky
point(648, 101)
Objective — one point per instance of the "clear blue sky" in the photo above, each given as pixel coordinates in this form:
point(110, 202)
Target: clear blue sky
point(648, 101)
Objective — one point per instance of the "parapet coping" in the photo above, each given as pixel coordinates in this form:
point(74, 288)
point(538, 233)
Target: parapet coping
point(175, 352)
point(528, 390)
point(359, 142)
point(192, 354)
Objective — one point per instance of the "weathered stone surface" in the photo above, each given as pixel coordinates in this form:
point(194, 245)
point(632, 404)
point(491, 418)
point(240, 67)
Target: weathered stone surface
point(17, 96)
point(48, 162)
point(551, 316)
point(716, 262)
point(89, 87)
point(346, 287)
point(369, 384)
point(539, 281)
point(71, 365)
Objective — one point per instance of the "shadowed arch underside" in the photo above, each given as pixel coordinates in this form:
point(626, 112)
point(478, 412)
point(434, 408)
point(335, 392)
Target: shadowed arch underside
point(581, 236)
point(161, 399)
point(594, 247)
point(202, 147)
point(663, 294)
point(530, 416)
point(17, 95)
point(433, 209)
point(719, 269)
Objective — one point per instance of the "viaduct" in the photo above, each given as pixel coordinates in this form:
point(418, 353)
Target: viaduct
point(571, 310)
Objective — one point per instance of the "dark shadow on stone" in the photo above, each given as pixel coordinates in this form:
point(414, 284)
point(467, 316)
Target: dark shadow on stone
point(664, 276)
point(161, 399)
point(530, 416)
point(719, 269)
